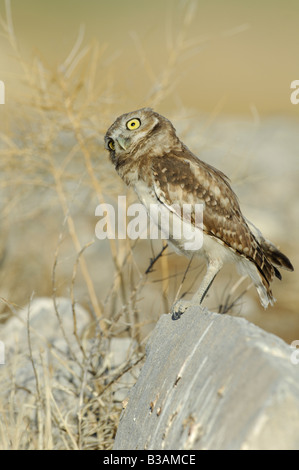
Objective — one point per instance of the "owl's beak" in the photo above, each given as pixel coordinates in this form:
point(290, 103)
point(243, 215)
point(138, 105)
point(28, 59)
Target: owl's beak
point(123, 142)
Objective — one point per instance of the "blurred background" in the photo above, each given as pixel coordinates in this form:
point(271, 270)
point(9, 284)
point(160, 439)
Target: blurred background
point(221, 71)
point(244, 54)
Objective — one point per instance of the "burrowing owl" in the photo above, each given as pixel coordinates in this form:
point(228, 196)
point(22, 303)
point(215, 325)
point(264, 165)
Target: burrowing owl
point(149, 156)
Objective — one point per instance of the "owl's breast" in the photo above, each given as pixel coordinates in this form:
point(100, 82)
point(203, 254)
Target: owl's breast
point(145, 193)
point(184, 237)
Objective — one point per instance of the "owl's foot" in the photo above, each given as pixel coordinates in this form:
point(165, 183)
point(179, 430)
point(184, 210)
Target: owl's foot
point(179, 308)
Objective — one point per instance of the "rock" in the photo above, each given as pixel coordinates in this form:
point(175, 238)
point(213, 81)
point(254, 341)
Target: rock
point(212, 381)
point(52, 392)
point(44, 324)
point(55, 354)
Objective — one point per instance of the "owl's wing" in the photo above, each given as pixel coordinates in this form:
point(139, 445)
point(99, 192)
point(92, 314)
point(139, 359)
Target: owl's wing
point(178, 181)
point(182, 179)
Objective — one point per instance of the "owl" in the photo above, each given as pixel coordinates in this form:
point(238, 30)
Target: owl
point(149, 157)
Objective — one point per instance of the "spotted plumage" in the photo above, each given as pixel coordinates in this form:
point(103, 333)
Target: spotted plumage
point(149, 156)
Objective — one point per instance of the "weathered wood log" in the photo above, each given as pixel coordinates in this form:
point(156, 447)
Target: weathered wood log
point(213, 381)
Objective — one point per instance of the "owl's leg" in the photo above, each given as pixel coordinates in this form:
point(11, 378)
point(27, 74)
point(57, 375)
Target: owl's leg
point(181, 305)
point(212, 271)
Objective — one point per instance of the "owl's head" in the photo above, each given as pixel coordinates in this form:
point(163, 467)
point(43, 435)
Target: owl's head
point(137, 132)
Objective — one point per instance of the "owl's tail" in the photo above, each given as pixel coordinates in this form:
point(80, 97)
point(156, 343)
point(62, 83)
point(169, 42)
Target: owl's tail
point(267, 260)
point(276, 257)
point(262, 269)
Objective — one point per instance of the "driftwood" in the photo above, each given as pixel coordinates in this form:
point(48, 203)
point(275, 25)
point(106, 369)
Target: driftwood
point(213, 381)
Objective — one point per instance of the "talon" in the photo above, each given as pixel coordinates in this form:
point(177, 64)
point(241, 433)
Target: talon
point(176, 315)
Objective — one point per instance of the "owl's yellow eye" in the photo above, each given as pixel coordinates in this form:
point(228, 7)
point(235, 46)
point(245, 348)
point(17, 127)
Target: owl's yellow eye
point(111, 144)
point(133, 124)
